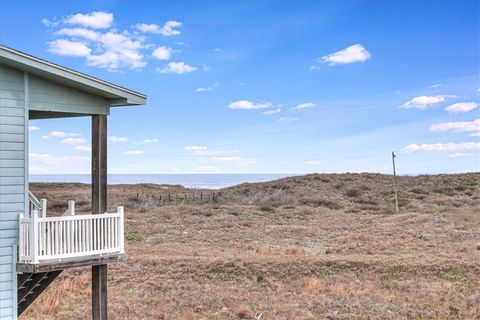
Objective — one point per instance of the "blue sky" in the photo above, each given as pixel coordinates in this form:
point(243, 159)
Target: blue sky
point(264, 86)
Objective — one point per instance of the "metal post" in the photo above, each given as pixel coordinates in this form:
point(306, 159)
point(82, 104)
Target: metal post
point(395, 181)
point(99, 206)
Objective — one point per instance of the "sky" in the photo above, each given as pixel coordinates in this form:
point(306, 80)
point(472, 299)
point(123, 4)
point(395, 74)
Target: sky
point(263, 86)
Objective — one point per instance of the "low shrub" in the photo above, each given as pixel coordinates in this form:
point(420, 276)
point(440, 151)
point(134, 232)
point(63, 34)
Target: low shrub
point(353, 193)
point(321, 202)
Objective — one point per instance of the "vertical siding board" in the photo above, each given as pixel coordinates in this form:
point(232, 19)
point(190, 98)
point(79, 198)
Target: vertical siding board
point(13, 148)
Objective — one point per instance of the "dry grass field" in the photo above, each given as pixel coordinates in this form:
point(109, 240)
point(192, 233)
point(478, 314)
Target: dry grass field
point(311, 247)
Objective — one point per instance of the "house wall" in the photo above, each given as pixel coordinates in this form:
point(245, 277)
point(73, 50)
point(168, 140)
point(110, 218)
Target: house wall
point(13, 179)
point(49, 96)
point(19, 93)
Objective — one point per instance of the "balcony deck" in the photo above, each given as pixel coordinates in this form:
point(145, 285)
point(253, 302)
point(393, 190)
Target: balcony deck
point(55, 243)
point(54, 265)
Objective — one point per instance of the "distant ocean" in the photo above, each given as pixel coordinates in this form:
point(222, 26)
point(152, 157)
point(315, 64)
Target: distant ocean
point(199, 181)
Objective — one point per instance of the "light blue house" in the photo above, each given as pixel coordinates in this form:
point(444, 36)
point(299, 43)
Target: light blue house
point(36, 247)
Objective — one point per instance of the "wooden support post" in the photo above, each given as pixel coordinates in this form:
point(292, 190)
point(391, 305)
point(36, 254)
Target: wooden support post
point(99, 206)
point(395, 181)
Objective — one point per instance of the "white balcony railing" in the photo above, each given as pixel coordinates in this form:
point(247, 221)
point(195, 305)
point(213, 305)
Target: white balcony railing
point(71, 236)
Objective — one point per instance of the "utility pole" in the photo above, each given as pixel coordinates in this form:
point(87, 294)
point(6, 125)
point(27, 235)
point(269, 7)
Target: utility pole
point(395, 180)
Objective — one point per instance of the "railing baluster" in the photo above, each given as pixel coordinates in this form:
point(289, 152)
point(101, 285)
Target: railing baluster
point(112, 235)
point(75, 236)
point(69, 236)
point(80, 245)
point(60, 238)
point(52, 238)
point(121, 229)
point(90, 234)
point(43, 230)
point(72, 230)
point(80, 236)
point(115, 232)
point(87, 242)
point(85, 236)
point(84, 227)
point(47, 237)
point(102, 233)
point(109, 234)
point(94, 232)
point(55, 235)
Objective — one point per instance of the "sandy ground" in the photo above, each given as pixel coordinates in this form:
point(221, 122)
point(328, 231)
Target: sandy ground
point(311, 247)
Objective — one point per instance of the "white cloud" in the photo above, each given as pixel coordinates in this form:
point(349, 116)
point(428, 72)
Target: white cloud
point(168, 29)
point(436, 85)
point(464, 126)
point(95, 20)
point(248, 105)
point(48, 159)
point(196, 149)
point(204, 151)
point(269, 112)
point(85, 148)
point(305, 105)
point(49, 22)
point(209, 88)
point(80, 33)
point(134, 152)
point(351, 54)
point(33, 128)
point(462, 107)
point(148, 141)
point(162, 53)
point(288, 119)
point(232, 159)
point(111, 50)
point(314, 162)
point(116, 139)
point(422, 102)
point(206, 169)
point(460, 154)
point(117, 51)
point(64, 47)
point(451, 147)
point(174, 169)
point(145, 27)
point(61, 134)
point(74, 141)
point(475, 134)
point(177, 67)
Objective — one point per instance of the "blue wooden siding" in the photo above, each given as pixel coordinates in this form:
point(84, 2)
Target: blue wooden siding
point(12, 180)
point(46, 95)
point(19, 93)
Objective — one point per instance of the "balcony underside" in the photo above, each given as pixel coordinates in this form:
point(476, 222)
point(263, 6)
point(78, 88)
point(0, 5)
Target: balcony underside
point(56, 264)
